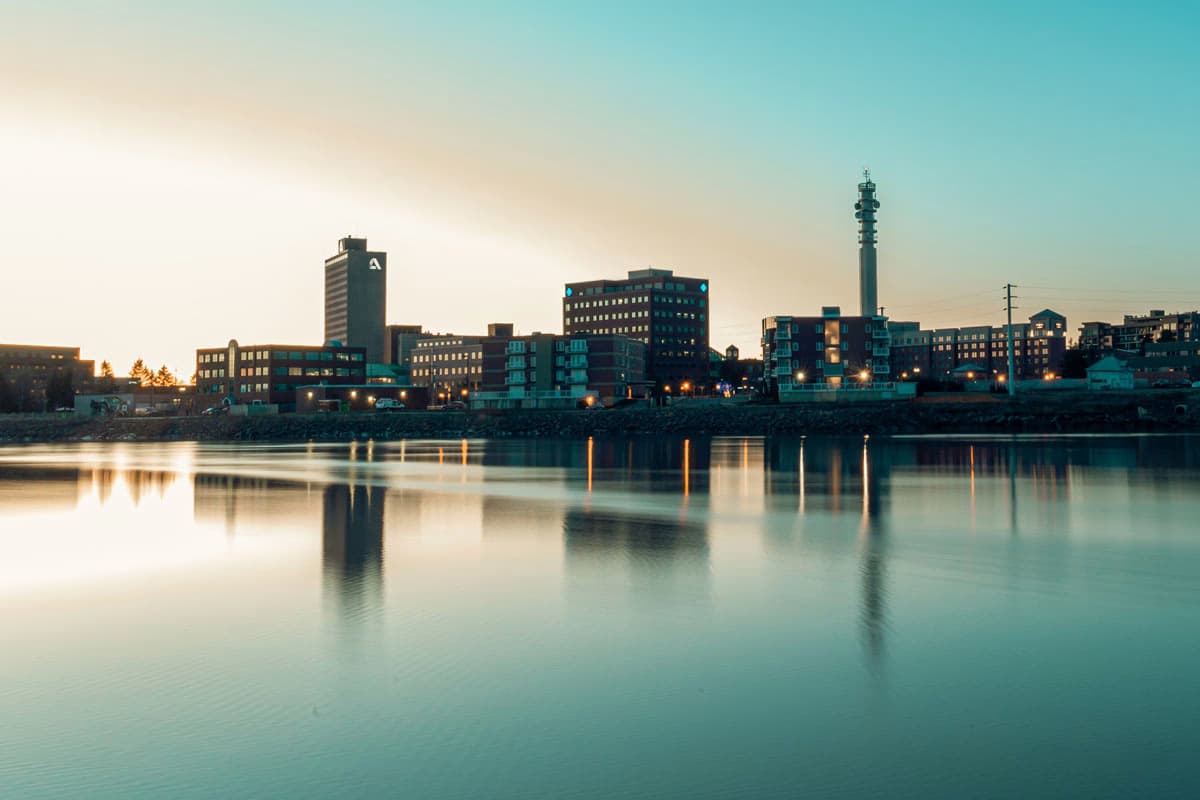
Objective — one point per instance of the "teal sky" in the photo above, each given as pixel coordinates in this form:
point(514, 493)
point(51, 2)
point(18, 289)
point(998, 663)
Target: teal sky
point(204, 160)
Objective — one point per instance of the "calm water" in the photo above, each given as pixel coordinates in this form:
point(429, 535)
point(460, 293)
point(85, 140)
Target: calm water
point(907, 618)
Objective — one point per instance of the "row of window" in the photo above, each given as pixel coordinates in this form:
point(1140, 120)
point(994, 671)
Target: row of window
point(624, 301)
point(281, 355)
point(430, 358)
point(442, 372)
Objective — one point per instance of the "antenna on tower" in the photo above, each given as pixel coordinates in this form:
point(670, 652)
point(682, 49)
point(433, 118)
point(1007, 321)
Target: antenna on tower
point(866, 174)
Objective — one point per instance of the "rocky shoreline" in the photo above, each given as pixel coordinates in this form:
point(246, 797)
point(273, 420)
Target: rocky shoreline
point(1060, 413)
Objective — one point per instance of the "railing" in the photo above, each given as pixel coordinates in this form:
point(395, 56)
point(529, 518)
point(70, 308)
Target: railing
point(841, 387)
point(515, 347)
point(882, 351)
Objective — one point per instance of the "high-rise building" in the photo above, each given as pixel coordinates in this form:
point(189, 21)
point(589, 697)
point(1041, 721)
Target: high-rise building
point(356, 298)
point(864, 212)
point(668, 313)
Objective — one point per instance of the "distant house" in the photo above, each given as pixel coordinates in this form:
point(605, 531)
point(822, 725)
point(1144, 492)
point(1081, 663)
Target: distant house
point(1109, 372)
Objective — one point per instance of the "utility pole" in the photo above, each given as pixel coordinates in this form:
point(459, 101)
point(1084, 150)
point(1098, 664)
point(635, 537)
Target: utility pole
point(1012, 377)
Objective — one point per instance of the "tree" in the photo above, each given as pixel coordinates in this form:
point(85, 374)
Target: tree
point(1075, 362)
point(139, 371)
point(163, 377)
point(106, 370)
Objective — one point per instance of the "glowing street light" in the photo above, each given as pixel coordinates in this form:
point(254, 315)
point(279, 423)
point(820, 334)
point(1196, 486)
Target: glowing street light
point(862, 376)
point(800, 376)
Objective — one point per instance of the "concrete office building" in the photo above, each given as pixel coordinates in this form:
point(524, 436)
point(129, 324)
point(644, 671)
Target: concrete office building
point(545, 370)
point(356, 298)
point(271, 373)
point(830, 349)
point(667, 313)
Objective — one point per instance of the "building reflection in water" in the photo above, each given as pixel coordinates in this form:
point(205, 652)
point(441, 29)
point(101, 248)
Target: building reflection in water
point(352, 548)
point(850, 480)
point(662, 544)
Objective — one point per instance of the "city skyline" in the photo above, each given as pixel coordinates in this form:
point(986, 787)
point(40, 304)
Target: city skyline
point(177, 169)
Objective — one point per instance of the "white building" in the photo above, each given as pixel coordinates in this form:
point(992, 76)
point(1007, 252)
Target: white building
point(1109, 372)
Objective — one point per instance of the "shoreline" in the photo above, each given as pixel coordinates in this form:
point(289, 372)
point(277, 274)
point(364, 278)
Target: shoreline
point(1075, 412)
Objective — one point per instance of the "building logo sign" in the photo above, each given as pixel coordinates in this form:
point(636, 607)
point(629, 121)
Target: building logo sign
point(375, 264)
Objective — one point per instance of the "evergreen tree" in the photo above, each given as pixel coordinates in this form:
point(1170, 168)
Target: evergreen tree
point(163, 377)
point(141, 373)
point(106, 370)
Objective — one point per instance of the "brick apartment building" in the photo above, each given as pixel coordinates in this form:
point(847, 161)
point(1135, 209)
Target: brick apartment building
point(544, 370)
point(451, 364)
point(829, 349)
point(1038, 348)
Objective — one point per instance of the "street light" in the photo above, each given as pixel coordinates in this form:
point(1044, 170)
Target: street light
point(862, 376)
point(800, 377)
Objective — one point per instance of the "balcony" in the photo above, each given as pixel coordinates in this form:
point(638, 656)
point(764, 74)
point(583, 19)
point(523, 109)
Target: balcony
point(881, 333)
point(515, 379)
point(578, 377)
point(515, 362)
point(881, 351)
point(577, 362)
point(881, 368)
point(783, 332)
point(514, 347)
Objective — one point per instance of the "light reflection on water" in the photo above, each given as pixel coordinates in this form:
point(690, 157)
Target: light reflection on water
point(683, 617)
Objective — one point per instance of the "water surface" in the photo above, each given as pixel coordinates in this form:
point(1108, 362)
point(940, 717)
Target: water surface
point(731, 617)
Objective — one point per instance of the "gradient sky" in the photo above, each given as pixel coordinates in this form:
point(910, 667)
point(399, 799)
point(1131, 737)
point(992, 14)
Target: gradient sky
point(173, 175)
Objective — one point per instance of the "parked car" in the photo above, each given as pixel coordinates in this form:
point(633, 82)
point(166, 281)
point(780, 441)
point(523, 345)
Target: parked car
point(1196, 384)
point(455, 405)
point(213, 411)
point(388, 404)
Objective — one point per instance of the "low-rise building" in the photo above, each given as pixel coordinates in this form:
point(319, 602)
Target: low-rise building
point(323, 397)
point(1110, 372)
point(41, 378)
point(545, 370)
point(830, 349)
point(734, 373)
point(271, 373)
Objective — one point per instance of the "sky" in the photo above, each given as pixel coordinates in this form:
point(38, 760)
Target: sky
point(173, 175)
